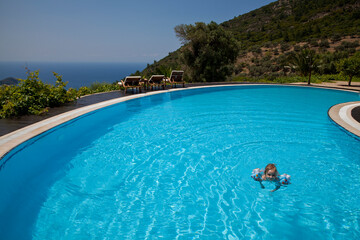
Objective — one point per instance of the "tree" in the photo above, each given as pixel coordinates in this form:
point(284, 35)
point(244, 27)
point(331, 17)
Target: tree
point(350, 66)
point(209, 51)
point(305, 62)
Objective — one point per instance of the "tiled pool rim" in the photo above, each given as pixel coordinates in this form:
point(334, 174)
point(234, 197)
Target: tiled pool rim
point(340, 114)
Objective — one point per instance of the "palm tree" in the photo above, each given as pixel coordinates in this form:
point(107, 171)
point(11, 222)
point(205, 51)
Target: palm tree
point(164, 70)
point(304, 62)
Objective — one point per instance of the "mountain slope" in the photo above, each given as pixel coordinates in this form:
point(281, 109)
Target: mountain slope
point(268, 34)
point(297, 20)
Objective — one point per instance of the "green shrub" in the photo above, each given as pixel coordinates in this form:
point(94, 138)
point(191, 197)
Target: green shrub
point(32, 96)
point(103, 87)
point(336, 37)
point(285, 46)
point(347, 46)
point(84, 91)
point(324, 43)
point(314, 43)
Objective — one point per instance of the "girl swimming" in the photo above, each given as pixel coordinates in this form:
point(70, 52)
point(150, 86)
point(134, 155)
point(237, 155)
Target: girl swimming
point(270, 174)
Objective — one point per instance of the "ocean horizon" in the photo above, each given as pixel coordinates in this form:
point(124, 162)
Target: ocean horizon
point(77, 74)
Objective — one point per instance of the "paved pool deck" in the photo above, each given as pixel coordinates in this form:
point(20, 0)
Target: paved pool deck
point(17, 130)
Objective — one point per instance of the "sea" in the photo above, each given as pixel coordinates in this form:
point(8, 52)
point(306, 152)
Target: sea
point(77, 74)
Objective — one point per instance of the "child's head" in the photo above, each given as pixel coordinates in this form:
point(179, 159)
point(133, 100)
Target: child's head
point(271, 172)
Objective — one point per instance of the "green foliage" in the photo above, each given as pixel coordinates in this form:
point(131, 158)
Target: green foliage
point(350, 67)
point(210, 51)
point(294, 21)
point(101, 87)
point(157, 69)
point(324, 43)
point(305, 62)
point(163, 70)
point(291, 78)
point(346, 46)
point(172, 61)
point(96, 87)
point(284, 46)
point(84, 91)
point(32, 96)
point(327, 63)
point(137, 73)
point(72, 94)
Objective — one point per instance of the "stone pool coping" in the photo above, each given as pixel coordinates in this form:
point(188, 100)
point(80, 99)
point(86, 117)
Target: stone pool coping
point(15, 138)
point(341, 115)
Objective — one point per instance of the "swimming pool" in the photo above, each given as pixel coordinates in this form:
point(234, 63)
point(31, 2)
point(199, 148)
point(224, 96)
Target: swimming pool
point(177, 165)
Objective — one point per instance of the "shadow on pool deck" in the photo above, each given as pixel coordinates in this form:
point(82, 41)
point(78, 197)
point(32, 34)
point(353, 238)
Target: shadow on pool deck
point(10, 125)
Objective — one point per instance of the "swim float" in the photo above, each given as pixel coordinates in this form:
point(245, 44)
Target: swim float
point(257, 173)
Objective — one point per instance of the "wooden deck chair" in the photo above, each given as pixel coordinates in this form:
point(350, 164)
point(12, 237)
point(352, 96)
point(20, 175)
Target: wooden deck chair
point(131, 82)
point(157, 80)
point(176, 77)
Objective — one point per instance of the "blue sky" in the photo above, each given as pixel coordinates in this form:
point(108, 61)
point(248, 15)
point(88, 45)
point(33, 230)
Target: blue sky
point(104, 30)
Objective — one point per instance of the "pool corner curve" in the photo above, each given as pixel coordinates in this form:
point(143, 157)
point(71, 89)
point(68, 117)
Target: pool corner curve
point(341, 115)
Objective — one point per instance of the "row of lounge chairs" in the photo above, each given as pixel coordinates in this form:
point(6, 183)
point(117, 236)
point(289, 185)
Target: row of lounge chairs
point(137, 83)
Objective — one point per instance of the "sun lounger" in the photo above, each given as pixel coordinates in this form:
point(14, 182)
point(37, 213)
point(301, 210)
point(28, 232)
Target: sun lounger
point(156, 80)
point(131, 82)
point(176, 77)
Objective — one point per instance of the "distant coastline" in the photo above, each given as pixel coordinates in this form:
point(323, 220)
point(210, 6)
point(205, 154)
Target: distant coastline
point(78, 74)
point(9, 81)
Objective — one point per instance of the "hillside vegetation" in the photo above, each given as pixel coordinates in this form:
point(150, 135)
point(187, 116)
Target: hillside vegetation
point(296, 21)
point(270, 35)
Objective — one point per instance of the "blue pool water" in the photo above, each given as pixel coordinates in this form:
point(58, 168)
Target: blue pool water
point(177, 166)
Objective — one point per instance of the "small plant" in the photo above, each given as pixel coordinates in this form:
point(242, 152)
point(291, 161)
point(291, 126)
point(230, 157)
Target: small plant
point(284, 46)
point(324, 43)
point(84, 91)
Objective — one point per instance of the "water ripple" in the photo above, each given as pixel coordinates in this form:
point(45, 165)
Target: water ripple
point(181, 170)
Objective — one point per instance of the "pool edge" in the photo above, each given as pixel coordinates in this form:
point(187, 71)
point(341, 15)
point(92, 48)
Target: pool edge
point(341, 115)
point(11, 140)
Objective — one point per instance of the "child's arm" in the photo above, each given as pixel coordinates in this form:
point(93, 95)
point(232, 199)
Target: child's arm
point(277, 187)
point(257, 176)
